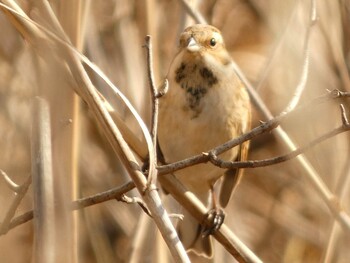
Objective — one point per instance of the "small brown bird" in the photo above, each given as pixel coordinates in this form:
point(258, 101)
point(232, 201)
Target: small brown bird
point(206, 105)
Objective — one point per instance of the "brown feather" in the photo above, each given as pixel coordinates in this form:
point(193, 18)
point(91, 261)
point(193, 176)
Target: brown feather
point(232, 177)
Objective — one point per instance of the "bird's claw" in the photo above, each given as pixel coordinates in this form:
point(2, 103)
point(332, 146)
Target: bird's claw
point(216, 218)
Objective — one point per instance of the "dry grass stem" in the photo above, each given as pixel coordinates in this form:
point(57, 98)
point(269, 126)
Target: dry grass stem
point(305, 68)
point(46, 245)
point(89, 94)
point(342, 189)
point(290, 53)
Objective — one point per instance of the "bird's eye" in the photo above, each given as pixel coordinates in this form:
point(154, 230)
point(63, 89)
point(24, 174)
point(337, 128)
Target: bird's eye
point(212, 42)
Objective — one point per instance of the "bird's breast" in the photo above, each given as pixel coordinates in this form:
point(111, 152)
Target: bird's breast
point(200, 111)
point(195, 80)
point(197, 114)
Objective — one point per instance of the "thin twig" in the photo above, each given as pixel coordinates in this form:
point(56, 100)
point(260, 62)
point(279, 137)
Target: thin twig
point(20, 191)
point(313, 177)
point(19, 220)
point(111, 194)
point(261, 129)
point(192, 204)
point(30, 30)
point(88, 93)
point(152, 172)
point(271, 161)
point(135, 200)
point(273, 54)
point(305, 68)
point(11, 184)
point(114, 193)
point(66, 22)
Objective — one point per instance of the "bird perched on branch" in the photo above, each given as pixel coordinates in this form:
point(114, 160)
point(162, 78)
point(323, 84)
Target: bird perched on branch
point(206, 105)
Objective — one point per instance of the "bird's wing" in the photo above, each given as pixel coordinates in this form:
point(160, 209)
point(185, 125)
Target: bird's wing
point(232, 177)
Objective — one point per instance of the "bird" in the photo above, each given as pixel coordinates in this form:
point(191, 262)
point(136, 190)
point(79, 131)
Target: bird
point(206, 105)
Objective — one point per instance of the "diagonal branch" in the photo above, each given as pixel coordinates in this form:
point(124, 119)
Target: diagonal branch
point(89, 94)
point(213, 158)
point(114, 193)
point(192, 204)
point(20, 192)
point(261, 129)
point(305, 69)
point(320, 187)
point(76, 72)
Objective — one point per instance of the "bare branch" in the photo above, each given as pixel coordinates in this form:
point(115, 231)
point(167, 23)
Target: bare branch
point(135, 200)
point(305, 69)
point(32, 30)
point(261, 129)
point(331, 200)
point(89, 94)
point(310, 172)
point(266, 162)
point(19, 220)
point(11, 184)
point(191, 203)
point(114, 193)
point(152, 172)
point(20, 191)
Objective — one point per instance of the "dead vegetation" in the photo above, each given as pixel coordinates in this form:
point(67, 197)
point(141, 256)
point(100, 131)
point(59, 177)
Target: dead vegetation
point(291, 53)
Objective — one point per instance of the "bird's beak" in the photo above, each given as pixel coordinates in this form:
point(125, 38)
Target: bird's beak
point(192, 45)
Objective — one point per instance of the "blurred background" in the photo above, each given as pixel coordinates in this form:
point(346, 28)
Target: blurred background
point(275, 211)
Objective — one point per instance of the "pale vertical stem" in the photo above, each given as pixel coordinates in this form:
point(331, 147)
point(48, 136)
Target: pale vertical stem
point(60, 99)
point(151, 11)
point(67, 15)
point(95, 102)
point(64, 106)
point(43, 187)
point(72, 16)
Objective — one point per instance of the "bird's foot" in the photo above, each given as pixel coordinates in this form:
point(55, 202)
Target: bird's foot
point(216, 218)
